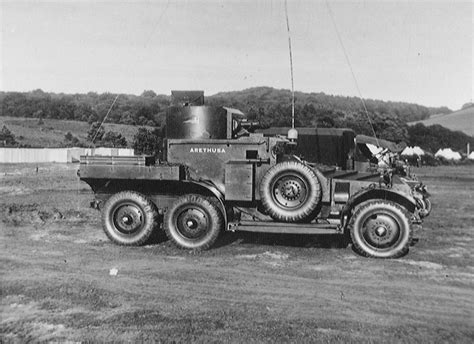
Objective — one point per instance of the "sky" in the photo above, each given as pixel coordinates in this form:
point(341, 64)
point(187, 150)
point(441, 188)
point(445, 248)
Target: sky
point(413, 51)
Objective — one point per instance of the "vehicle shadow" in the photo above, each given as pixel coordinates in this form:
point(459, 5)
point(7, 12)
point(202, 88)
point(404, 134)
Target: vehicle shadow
point(158, 236)
point(276, 239)
point(267, 239)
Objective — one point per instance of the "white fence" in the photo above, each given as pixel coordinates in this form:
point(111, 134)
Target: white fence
point(64, 155)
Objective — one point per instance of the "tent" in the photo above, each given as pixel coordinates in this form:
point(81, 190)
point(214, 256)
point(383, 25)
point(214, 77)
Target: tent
point(448, 154)
point(413, 151)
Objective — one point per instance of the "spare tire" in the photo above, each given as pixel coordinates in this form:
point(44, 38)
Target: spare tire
point(291, 192)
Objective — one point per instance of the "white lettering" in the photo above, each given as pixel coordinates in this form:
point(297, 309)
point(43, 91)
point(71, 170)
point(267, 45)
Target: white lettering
point(206, 150)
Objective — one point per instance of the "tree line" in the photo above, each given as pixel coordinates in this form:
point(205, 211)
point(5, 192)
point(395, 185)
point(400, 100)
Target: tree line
point(146, 109)
point(435, 137)
point(270, 106)
point(266, 98)
point(149, 108)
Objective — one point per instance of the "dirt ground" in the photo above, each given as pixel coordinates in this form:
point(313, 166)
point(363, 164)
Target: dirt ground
point(62, 280)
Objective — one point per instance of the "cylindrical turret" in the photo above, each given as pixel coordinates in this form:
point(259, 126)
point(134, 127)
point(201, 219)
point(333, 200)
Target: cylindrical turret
point(196, 122)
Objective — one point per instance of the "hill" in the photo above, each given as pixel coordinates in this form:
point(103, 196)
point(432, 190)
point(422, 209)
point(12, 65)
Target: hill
point(149, 108)
point(63, 113)
point(258, 97)
point(29, 131)
point(462, 120)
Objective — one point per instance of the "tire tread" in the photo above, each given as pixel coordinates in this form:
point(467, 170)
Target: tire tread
point(149, 210)
point(214, 212)
point(401, 251)
point(310, 211)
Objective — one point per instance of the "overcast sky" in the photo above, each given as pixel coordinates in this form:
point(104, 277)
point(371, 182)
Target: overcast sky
point(415, 51)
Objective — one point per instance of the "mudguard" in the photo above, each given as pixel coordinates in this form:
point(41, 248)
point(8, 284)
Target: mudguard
point(396, 196)
point(214, 191)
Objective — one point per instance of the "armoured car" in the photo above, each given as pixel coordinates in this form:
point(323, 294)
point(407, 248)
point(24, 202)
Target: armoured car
point(217, 174)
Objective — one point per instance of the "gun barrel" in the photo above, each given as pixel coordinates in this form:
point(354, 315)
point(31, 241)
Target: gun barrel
point(252, 125)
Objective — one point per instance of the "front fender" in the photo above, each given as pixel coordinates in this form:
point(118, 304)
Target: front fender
point(405, 200)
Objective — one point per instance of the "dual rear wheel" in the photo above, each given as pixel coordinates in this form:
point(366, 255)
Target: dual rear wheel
point(192, 222)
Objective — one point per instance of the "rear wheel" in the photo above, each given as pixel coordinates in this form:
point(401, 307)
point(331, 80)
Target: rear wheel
point(193, 222)
point(129, 218)
point(380, 229)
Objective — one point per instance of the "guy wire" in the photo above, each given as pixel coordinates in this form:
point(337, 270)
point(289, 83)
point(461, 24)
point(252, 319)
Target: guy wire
point(97, 132)
point(156, 24)
point(331, 14)
point(291, 68)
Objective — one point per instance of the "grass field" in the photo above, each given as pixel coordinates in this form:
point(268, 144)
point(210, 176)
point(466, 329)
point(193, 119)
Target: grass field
point(57, 285)
point(51, 134)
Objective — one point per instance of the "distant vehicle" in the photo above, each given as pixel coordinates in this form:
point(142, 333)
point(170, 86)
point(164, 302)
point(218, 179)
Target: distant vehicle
point(218, 174)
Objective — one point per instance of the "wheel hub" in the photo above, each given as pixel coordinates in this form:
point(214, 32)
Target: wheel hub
point(290, 191)
point(381, 231)
point(192, 223)
point(128, 218)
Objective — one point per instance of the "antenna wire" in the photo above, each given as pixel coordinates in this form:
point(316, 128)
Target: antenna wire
point(291, 68)
point(97, 132)
point(331, 14)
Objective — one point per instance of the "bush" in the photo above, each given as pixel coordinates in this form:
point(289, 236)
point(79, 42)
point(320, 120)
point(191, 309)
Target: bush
point(96, 132)
point(7, 139)
point(148, 142)
point(113, 139)
point(68, 136)
point(71, 140)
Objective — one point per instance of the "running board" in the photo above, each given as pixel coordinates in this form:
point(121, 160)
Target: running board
point(282, 227)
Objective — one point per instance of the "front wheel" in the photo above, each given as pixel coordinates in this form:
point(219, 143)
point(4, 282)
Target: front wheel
point(380, 229)
point(129, 218)
point(193, 222)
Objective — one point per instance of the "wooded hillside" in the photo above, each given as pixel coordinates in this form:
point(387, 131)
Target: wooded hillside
point(148, 108)
point(271, 106)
